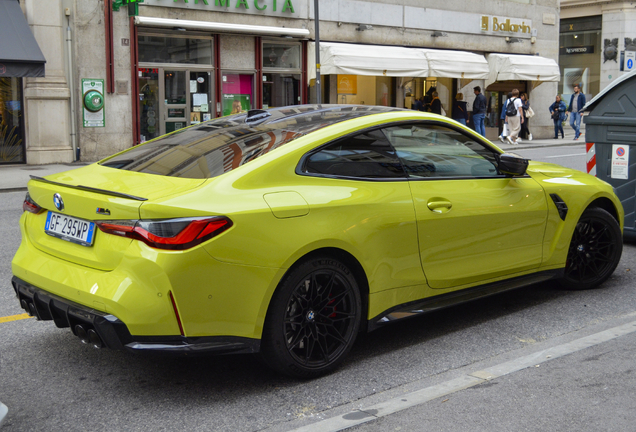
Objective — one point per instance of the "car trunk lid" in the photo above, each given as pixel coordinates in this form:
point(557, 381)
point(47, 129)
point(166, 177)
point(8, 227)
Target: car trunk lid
point(90, 194)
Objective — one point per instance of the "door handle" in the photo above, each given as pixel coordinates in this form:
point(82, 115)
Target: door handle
point(439, 205)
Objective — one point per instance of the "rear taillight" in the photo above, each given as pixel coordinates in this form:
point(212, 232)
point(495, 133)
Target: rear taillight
point(30, 205)
point(172, 234)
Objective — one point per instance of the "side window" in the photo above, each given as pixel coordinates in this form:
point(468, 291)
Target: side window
point(433, 151)
point(367, 155)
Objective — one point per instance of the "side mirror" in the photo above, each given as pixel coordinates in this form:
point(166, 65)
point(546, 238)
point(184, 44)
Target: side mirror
point(511, 164)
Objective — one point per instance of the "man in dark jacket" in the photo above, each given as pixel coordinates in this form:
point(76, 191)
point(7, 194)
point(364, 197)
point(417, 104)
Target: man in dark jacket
point(479, 111)
point(575, 109)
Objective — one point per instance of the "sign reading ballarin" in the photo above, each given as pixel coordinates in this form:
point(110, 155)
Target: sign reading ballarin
point(493, 24)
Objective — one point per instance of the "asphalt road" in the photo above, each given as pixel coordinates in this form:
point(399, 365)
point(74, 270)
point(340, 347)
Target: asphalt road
point(51, 382)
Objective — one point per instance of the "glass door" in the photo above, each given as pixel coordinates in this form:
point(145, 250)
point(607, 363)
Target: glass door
point(175, 100)
point(149, 103)
point(200, 96)
point(238, 92)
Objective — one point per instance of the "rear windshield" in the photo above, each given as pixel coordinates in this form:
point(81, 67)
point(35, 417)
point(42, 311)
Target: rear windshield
point(217, 146)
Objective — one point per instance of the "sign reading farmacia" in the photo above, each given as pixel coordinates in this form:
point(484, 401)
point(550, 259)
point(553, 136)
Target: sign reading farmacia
point(282, 7)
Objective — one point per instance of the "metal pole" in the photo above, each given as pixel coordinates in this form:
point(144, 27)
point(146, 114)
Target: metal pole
point(317, 25)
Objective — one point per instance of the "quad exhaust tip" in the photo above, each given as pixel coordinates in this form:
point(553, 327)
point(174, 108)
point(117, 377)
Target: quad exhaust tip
point(89, 336)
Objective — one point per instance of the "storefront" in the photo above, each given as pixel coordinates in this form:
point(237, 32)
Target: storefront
point(580, 55)
point(189, 72)
point(117, 78)
point(20, 57)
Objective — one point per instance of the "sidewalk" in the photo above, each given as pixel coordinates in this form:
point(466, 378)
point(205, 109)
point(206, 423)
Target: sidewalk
point(14, 178)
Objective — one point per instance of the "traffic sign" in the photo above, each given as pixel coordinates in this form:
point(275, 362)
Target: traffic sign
point(630, 59)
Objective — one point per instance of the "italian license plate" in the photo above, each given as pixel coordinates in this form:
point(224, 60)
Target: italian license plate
point(70, 229)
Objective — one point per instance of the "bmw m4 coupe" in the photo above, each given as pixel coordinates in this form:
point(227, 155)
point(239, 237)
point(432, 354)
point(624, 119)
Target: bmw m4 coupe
point(289, 231)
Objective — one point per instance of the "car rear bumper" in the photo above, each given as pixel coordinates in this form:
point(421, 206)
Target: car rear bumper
point(113, 333)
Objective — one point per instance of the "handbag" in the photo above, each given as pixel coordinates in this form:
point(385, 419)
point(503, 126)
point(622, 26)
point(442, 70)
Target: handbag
point(530, 112)
point(555, 115)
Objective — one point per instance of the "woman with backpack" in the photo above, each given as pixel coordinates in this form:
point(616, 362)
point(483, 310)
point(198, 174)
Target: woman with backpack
point(557, 112)
point(514, 117)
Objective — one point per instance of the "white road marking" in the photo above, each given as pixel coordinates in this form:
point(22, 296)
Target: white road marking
point(419, 397)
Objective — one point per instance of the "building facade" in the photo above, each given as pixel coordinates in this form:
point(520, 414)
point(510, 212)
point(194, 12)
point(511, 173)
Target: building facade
point(113, 80)
point(597, 44)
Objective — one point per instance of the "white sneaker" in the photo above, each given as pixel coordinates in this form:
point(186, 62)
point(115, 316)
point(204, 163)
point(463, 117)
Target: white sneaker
point(502, 138)
point(530, 137)
point(518, 141)
point(510, 141)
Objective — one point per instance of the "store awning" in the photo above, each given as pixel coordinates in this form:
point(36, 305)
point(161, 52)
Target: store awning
point(506, 67)
point(368, 60)
point(382, 60)
point(20, 55)
point(456, 64)
point(221, 27)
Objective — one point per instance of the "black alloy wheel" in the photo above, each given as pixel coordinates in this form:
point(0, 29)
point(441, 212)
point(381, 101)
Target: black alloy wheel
point(595, 250)
point(313, 319)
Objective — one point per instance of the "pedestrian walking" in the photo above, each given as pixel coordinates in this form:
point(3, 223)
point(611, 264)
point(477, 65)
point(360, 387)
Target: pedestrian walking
point(527, 113)
point(479, 111)
point(504, 129)
point(460, 109)
point(418, 105)
point(514, 116)
point(557, 113)
point(436, 104)
point(577, 102)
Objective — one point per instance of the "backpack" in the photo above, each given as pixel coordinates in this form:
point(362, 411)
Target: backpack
point(510, 108)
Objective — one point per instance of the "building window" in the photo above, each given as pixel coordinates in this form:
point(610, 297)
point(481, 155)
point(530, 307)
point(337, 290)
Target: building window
point(281, 74)
point(161, 49)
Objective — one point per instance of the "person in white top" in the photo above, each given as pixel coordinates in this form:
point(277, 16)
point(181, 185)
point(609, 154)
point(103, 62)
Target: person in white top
point(514, 119)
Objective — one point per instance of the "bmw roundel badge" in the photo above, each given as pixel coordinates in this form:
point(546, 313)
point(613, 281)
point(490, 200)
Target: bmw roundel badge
point(58, 201)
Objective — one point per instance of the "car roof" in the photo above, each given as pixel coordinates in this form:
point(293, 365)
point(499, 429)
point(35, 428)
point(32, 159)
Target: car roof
point(228, 142)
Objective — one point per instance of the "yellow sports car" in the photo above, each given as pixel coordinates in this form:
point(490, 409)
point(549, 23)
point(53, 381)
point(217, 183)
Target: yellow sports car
point(289, 231)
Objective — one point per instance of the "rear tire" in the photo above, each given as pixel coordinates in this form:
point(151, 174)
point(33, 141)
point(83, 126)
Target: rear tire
point(595, 250)
point(313, 319)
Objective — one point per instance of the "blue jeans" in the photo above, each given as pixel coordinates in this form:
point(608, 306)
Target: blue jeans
point(558, 127)
point(462, 121)
point(575, 122)
point(478, 119)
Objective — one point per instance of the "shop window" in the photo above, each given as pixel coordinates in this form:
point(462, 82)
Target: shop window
point(11, 130)
point(281, 74)
point(160, 49)
point(280, 89)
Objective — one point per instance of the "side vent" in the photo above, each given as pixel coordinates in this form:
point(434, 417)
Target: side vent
point(560, 205)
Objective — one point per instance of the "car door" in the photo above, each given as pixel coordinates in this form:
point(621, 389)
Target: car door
point(358, 192)
point(474, 225)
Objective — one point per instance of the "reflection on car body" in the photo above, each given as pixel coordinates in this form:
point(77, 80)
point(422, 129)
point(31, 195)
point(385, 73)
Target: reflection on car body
point(288, 231)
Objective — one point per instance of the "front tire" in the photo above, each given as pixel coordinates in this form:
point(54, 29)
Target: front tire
point(595, 250)
point(313, 319)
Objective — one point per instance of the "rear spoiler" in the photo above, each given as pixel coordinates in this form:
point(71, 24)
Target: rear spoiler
point(90, 189)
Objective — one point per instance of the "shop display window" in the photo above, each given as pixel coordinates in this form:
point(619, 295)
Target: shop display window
point(280, 89)
point(281, 74)
point(11, 125)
